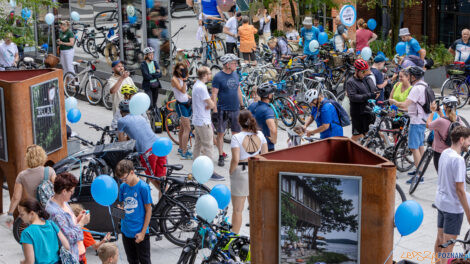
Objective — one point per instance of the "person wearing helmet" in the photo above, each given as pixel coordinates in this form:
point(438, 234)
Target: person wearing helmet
point(414, 105)
point(118, 79)
point(264, 114)
point(127, 92)
point(359, 89)
point(227, 94)
point(439, 122)
point(150, 74)
point(324, 113)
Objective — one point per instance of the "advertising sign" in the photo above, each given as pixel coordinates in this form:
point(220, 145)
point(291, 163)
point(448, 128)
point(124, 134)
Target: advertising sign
point(348, 15)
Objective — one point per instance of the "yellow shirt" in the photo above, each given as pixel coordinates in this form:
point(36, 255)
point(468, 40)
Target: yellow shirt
point(398, 94)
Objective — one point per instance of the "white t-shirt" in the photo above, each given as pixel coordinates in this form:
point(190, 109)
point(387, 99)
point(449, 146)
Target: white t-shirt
point(232, 25)
point(452, 169)
point(417, 95)
point(179, 96)
point(117, 96)
point(7, 54)
point(237, 142)
point(201, 115)
point(267, 28)
point(293, 35)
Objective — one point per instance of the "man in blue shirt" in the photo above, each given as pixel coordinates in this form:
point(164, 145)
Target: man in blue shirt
point(309, 33)
point(227, 94)
point(264, 114)
point(461, 47)
point(412, 45)
point(328, 124)
point(211, 9)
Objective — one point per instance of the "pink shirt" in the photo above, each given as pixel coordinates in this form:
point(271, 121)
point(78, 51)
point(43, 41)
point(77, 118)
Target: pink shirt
point(362, 38)
point(441, 128)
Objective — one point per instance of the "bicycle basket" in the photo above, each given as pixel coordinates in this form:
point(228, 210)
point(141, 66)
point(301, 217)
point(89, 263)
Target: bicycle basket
point(455, 69)
point(335, 60)
point(51, 61)
point(214, 27)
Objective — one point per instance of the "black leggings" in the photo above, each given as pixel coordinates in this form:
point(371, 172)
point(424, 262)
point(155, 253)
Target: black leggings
point(231, 48)
point(437, 155)
point(153, 94)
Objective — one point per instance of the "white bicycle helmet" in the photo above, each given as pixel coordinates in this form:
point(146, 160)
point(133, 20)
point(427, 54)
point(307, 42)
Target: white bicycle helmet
point(450, 101)
point(148, 50)
point(311, 95)
point(228, 58)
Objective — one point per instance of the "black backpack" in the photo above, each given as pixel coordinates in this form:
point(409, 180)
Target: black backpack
point(452, 126)
point(429, 98)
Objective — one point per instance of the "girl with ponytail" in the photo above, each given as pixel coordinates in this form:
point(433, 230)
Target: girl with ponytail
point(40, 240)
point(248, 143)
point(363, 35)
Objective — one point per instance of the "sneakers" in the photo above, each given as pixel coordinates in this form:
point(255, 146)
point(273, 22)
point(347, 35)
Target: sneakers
point(412, 173)
point(221, 162)
point(217, 177)
point(412, 178)
point(180, 151)
point(187, 156)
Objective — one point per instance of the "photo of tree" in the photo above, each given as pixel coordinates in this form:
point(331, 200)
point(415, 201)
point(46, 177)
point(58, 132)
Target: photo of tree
point(3, 129)
point(45, 107)
point(320, 218)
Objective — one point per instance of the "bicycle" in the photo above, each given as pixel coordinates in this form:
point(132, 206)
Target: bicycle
point(86, 34)
point(93, 85)
point(458, 82)
point(109, 47)
point(213, 48)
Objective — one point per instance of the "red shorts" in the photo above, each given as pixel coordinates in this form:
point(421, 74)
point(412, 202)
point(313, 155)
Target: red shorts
point(156, 164)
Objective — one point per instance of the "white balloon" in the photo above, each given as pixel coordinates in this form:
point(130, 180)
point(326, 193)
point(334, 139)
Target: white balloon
point(202, 169)
point(139, 103)
point(49, 18)
point(130, 10)
point(75, 16)
point(13, 3)
point(70, 103)
point(313, 45)
point(366, 53)
point(207, 207)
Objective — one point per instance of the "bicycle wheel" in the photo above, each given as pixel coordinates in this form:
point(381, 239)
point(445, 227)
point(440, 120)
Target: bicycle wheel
point(422, 166)
point(172, 126)
point(215, 69)
point(329, 95)
point(400, 196)
point(18, 227)
point(376, 145)
point(458, 88)
point(218, 49)
point(303, 112)
point(467, 163)
point(464, 121)
point(287, 116)
point(107, 98)
point(92, 49)
point(106, 18)
point(402, 157)
point(94, 90)
point(176, 224)
point(71, 84)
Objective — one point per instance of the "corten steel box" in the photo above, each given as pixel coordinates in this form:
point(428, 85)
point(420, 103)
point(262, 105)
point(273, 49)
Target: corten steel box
point(334, 156)
point(20, 130)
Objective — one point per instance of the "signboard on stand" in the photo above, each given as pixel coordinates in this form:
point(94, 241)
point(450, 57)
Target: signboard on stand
point(45, 107)
point(3, 129)
point(348, 15)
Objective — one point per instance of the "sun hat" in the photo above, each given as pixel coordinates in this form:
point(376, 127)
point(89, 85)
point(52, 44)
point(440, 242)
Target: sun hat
point(404, 32)
point(307, 21)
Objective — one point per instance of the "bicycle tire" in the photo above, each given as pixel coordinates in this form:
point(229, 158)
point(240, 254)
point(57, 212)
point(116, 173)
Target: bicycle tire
point(287, 116)
point(94, 91)
point(329, 95)
point(464, 121)
point(181, 222)
point(400, 192)
point(107, 19)
point(18, 227)
point(467, 163)
point(70, 84)
point(107, 99)
point(304, 112)
point(421, 169)
point(215, 69)
point(172, 126)
point(92, 48)
point(219, 49)
point(458, 88)
point(401, 155)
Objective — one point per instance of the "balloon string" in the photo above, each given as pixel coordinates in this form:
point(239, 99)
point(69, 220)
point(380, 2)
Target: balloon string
point(112, 221)
point(393, 249)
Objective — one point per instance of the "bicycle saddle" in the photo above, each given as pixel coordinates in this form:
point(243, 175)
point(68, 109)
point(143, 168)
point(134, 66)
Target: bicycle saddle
point(28, 59)
point(176, 167)
point(320, 79)
point(75, 63)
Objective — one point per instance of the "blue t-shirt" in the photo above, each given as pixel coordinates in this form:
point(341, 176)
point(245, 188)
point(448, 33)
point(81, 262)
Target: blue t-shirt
point(209, 7)
point(137, 128)
point(135, 198)
point(44, 240)
point(412, 47)
point(462, 50)
point(227, 99)
point(307, 36)
point(328, 115)
point(379, 79)
point(262, 112)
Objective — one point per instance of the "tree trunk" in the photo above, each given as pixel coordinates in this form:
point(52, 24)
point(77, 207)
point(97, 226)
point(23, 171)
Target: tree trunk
point(294, 17)
point(395, 20)
point(314, 238)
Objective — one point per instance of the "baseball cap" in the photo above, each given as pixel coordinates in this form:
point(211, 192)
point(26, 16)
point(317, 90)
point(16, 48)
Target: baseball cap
point(115, 63)
point(380, 58)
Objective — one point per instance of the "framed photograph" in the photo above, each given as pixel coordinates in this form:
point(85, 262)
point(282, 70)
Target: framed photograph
point(45, 107)
point(320, 218)
point(3, 129)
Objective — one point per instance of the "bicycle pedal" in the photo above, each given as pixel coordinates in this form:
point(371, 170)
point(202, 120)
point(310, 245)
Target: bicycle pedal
point(158, 237)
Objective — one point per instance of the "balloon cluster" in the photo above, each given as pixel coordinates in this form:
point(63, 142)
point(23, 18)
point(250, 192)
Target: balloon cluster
point(73, 114)
point(408, 217)
point(131, 14)
point(208, 205)
point(25, 13)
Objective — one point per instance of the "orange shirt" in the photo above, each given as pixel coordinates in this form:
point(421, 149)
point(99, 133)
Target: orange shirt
point(88, 241)
point(247, 38)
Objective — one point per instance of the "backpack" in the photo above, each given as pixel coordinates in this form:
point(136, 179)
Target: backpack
point(343, 116)
point(452, 126)
point(45, 189)
point(429, 98)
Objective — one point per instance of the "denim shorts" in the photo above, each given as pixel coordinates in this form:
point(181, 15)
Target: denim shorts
point(183, 109)
point(451, 223)
point(416, 136)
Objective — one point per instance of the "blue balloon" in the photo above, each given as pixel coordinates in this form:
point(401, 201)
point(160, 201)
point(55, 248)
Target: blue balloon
point(139, 103)
point(74, 115)
point(70, 103)
point(49, 18)
point(400, 48)
point(132, 20)
point(206, 207)
point(45, 47)
point(322, 38)
point(371, 24)
point(202, 169)
point(320, 27)
point(150, 3)
point(408, 217)
point(104, 190)
point(25, 13)
point(162, 147)
point(366, 53)
point(222, 195)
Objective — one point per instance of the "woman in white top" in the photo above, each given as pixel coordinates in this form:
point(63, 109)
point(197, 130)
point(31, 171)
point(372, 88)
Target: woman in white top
point(248, 143)
point(292, 35)
point(183, 107)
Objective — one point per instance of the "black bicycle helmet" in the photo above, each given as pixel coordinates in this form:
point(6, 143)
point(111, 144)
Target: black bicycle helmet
point(415, 71)
point(124, 106)
point(265, 89)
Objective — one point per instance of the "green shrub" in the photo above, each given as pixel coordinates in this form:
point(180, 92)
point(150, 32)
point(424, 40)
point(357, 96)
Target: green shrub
point(328, 257)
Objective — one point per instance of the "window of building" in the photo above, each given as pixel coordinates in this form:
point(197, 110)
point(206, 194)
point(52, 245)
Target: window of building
point(301, 194)
point(285, 185)
point(453, 17)
point(293, 187)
